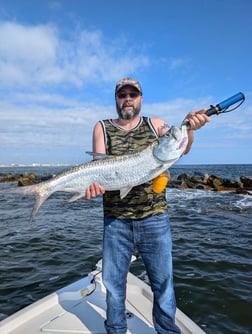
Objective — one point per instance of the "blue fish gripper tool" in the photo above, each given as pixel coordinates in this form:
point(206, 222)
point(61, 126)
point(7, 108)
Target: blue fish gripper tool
point(223, 106)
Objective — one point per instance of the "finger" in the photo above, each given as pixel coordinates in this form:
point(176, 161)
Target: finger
point(98, 188)
point(203, 114)
point(93, 190)
point(90, 192)
point(201, 111)
point(101, 189)
point(192, 123)
point(196, 122)
point(200, 119)
point(87, 194)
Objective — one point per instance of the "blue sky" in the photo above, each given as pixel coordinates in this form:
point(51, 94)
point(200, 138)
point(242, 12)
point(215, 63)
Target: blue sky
point(60, 60)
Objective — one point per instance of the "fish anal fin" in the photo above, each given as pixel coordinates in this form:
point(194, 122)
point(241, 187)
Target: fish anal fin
point(124, 191)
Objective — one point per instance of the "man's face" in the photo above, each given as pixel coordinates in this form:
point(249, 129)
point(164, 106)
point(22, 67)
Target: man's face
point(128, 102)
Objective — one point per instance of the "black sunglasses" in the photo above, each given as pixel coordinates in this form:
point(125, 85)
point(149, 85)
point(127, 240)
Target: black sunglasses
point(132, 95)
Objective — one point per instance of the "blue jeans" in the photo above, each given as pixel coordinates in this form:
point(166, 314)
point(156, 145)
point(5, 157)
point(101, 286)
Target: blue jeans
point(152, 238)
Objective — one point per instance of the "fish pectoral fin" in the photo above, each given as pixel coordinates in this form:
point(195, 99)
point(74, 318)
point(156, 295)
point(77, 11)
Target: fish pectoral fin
point(75, 197)
point(125, 191)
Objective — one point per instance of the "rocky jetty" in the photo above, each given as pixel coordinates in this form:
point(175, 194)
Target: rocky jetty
point(25, 179)
point(243, 185)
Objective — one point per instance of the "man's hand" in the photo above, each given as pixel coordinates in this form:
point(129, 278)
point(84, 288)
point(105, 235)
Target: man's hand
point(197, 119)
point(95, 189)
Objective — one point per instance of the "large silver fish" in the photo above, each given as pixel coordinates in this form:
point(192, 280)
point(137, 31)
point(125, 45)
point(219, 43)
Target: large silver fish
point(114, 172)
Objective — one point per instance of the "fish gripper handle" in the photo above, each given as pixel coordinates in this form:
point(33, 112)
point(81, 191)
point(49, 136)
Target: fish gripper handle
point(224, 105)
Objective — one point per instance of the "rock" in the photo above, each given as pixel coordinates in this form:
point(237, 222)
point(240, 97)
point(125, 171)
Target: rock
point(222, 184)
point(212, 182)
point(246, 182)
point(29, 179)
point(24, 179)
point(242, 191)
point(8, 178)
point(183, 176)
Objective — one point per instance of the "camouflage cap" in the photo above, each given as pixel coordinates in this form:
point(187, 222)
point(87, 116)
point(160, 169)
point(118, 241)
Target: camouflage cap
point(128, 82)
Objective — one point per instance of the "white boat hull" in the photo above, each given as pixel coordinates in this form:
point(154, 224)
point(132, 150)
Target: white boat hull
point(80, 308)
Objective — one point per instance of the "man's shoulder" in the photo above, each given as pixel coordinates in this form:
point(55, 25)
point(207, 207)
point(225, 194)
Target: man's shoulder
point(157, 123)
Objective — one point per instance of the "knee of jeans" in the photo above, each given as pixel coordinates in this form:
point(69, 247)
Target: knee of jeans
point(116, 288)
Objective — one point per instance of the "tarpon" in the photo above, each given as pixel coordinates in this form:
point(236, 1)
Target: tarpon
point(114, 172)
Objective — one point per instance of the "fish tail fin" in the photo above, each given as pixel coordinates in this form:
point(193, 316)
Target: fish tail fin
point(34, 189)
point(40, 199)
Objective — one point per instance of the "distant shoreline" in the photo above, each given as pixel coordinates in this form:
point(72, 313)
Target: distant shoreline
point(34, 165)
point(66, 165)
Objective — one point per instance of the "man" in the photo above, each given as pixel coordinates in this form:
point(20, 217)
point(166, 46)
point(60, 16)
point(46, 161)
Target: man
point(138, 222)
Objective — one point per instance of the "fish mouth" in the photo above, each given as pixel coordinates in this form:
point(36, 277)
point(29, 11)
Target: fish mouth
point(172, 133)
point(175, 136)
point(175, 133)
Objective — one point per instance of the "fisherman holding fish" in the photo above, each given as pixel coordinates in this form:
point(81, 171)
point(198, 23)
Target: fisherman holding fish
point(140, 149)
point(139, 221)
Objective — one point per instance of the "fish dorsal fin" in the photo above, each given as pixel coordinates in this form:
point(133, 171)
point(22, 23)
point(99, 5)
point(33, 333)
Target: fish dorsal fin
point(98, 155)
point(124, 191)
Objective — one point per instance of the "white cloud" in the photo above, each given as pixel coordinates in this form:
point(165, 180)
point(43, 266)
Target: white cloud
point(69, 123)
point(27, 44)
point(42, 108)
point(37, 126)
point(40, 69)
point(52, 123)
point(176, 63)
point(39, 55)
point(25, 52)
point(174, 111)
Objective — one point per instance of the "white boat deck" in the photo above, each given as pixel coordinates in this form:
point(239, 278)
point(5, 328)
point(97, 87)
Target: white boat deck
point(72, 310)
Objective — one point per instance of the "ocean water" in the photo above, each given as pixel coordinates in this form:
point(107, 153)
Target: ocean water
point(212, 248)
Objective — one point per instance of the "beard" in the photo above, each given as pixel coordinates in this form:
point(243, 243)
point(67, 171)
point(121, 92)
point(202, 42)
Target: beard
point(125, 113)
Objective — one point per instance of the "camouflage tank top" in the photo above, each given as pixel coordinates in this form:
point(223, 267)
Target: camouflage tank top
point(141, 201)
